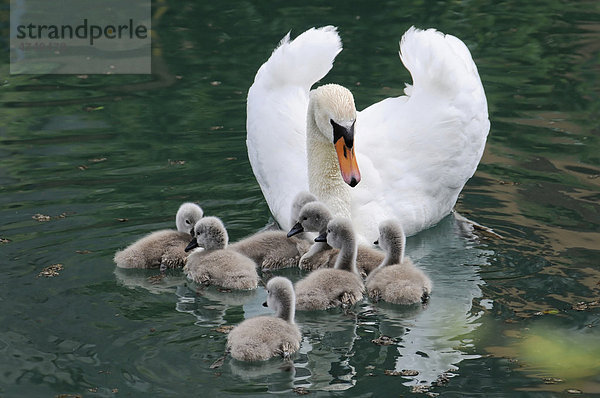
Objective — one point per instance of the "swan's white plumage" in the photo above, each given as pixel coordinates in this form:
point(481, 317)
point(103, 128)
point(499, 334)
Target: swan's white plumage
point(415, 152)
point(276, 108)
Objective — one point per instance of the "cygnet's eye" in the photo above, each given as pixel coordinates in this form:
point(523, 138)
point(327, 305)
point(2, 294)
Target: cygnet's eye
point(305, 218)
point(187, 222)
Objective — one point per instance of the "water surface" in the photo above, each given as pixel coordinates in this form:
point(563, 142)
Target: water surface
point(109, 158)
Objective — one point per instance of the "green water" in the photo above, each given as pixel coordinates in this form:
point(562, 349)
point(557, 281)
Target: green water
point(110, 158)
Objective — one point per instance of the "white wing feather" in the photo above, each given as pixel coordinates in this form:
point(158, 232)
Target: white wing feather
point(417, 151)
point(276, 115)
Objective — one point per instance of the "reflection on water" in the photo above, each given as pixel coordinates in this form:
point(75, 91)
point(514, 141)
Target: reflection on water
point(438, 337)
point(337, 345)
point(153, 281)
point(328, 345)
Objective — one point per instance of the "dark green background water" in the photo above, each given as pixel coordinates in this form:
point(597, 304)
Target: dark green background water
point(110, 158)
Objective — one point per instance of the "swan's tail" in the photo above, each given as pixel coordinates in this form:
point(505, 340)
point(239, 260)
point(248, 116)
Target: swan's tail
point(437, 62)
point(302, 61)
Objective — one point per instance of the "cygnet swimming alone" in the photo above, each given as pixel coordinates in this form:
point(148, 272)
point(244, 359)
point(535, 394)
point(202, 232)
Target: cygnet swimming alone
point(333, 287)
point(272, 249)
point(217, 264)
point(313, 217)
point(263, 337)
point(165, 247)
point(397, 280)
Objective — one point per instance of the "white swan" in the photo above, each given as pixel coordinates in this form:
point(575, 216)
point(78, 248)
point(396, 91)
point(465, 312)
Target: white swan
point(415, 152)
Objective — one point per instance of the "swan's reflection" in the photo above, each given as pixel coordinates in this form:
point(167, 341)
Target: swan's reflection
point(324, 360)
point(210, 304)
point(151, 280)
point(275, 375)
point(435, 339)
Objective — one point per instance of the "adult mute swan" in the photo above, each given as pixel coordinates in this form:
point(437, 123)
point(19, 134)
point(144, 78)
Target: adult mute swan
point(406, 157)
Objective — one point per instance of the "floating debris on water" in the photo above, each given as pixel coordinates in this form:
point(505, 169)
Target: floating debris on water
point(443, 379)
point(419, 389)
point(224, 329)
point(97, 160)
point(384, 340)
point(92, 108)
point(403, 372)
point(301, 391)
point(551, 311)
point(41, 217)
point(51, 271)
point(5, 240)
point(552, 380)
point(218, 363)
point(156, 279)
point(583, 306)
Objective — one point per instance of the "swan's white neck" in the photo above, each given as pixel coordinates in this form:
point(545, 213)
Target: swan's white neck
point(324, 176)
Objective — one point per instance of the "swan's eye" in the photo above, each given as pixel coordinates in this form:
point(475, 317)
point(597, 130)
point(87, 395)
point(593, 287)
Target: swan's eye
point(305, 218)
point(187, 222)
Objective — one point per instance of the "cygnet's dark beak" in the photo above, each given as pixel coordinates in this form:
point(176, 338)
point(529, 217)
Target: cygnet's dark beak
point(265, 304)
point(296, 229)
point(322, 237)
point(192, 231)
point(192, 245)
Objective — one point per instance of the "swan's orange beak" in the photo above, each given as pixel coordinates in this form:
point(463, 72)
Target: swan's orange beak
point(343, 140)
point(347, 160)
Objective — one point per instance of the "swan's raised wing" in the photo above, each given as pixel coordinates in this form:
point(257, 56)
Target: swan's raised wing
point(276, 115)
point(417, 151)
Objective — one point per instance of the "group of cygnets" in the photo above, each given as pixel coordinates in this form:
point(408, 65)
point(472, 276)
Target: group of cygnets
point(338, 267)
